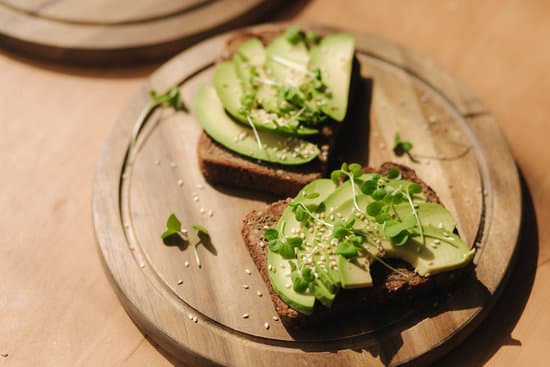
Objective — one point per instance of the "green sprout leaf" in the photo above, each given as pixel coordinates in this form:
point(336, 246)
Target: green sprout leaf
point(307, 274)
point(271, 234)
point(346, 249)
point(170, 98)
point(299, 284)
point(339, 231)
point(393, 228)
point(401, 147)
point(401, 238)
point(312, 195)
point(337, 176)
point(286, 251)
point(295, 241)
point(173, 226)
point(393, 173)
point(312, 37)
point(368, 187)
point(414, 188)
point(293, 35)
point(355, 169)
point(374, 208)
point(379, 194)
point(200, 229)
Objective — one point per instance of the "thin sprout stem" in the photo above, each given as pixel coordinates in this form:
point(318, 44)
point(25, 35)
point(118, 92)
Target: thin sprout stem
point(377, 258)
point(255, 132)
point(313, 216)
point(415, 213)
point(291, 64)
point(268, 81)
point(354, 193)
point(196, 255)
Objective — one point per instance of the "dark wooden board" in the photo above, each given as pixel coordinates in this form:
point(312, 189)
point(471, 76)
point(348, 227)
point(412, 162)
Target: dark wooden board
point(137, 188)
point(105, 32)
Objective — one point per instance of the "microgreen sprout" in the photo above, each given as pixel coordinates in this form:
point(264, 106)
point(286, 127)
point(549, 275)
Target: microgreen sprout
point(256, 135)
point(171, 98)
point(352, 171)
point(173, 228)
point(402, 147)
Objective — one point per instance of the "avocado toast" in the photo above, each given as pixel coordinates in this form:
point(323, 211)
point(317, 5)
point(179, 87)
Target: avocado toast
point(331, 252)
point(272, 115)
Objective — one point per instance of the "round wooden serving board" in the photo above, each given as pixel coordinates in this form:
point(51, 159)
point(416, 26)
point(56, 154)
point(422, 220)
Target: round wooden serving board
point(111, 32)
point(137, 188)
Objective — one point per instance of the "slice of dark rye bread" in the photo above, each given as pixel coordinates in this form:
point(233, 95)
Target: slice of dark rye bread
point(221, 166)
point(389, 287)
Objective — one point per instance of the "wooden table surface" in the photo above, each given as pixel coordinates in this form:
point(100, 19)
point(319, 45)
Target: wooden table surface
point(57, 307)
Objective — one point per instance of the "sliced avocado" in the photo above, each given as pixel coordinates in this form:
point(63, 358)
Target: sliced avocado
point(250, 54)
point(280, 278)
point(443, 251)
point(230, 92)
point(322, 294)
point(240, 139)
point(286, 62)
point(430, 214)
point(354, 273)
point(334, 57)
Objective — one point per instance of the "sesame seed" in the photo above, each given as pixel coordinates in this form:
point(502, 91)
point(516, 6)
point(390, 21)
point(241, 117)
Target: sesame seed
point(180, 182)
point(245, 316)
point(190, 316)
point(195, 319)
point(266, 325)
point(275, 318)
point(157, 162)
point(437, 242)
point(288, 285)
point(259, 293)
point(247, 271)
point(173, 164)
point(202, 210)
point(142, 265)
point(200, 186)
point(270, 267)
point(210, 213)
point(245, 286)
point(184, 231)
point(196, 199)
point(180, 282)
point(186, 264)
point(432, 119)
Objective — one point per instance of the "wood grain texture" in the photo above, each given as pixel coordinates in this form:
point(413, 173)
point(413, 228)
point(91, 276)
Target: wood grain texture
point(136, 189)
point(102, 32)
point(56, 306)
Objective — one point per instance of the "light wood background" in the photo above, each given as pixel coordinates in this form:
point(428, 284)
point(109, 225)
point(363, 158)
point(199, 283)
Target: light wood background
point(56, 305)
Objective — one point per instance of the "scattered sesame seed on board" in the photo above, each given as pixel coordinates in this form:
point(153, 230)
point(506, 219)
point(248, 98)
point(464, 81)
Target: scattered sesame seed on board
point(245, 316)
point(180, 182)
point(195, 319)
point(186, 264)
point(157, 162)
point(247, 271)
point(259, 293)
point(190, 316)
point(173, 164)
point(142, 265)
point(179, 282)
point(245, 286)
point(275, 318)
point(266, 325)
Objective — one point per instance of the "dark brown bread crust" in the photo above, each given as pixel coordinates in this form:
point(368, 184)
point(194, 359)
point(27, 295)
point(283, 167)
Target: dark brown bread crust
point(389, 287)
point(221, 166)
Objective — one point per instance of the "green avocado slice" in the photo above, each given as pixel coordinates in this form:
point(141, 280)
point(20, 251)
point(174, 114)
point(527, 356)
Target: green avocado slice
point(334, 57)
point(240, 139)
point(279, 268)
point(287, 63)
point(230, 92)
